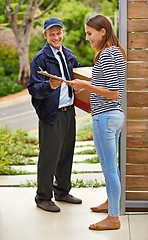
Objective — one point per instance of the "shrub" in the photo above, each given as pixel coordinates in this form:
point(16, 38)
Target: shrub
point(36, 43)
point(9, 69)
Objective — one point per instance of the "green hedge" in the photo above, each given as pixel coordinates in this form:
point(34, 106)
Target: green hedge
point(9, 69)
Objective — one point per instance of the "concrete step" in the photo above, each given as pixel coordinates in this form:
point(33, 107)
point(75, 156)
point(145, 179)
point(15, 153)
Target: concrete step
point(79, 167)
point(84, 143)
point(16, 180)
point(89, 176)
point(78, 158)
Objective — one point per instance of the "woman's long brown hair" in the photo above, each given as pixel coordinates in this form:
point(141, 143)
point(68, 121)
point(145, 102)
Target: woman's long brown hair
point(110, 39)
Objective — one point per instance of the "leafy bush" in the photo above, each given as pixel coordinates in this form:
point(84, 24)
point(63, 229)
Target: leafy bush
point(9, 69)
point(9, 60)
point(8, 86)
point(2, 19)
point(36, 43)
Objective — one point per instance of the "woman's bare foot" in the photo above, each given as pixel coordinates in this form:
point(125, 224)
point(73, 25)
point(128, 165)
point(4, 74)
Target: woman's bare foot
point(109, 223)
point(101, 208)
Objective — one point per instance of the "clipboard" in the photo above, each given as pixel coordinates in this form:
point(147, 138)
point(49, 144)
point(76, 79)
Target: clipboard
point(51, 76)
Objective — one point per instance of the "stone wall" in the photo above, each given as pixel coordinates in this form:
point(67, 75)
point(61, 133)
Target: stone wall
point(7, 37)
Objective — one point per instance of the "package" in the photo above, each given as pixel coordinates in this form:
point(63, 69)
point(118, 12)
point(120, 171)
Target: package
point(82, 99)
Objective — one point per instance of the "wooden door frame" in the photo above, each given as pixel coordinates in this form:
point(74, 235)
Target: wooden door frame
point(125, 204)
point(122, 143)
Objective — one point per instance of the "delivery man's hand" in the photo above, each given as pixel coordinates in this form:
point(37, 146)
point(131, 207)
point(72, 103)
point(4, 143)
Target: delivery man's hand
point(55, 83)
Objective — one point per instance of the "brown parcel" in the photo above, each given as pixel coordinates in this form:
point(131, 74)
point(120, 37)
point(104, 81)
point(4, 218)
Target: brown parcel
point(82, 99)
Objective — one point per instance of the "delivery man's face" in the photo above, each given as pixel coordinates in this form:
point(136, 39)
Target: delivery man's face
point(54, 36)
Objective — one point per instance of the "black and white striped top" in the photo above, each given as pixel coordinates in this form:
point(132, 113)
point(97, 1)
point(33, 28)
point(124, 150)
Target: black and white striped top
point(108, 72)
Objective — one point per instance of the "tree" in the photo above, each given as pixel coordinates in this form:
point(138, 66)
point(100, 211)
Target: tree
point(22, 31)
point(73, 14)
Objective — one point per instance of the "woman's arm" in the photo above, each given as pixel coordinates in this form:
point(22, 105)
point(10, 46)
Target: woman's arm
point(78, 84)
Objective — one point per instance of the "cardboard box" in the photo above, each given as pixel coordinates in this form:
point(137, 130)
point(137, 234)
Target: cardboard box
point(82, 99)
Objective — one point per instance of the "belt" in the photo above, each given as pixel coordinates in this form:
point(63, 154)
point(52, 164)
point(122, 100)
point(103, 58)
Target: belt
point(64, 109)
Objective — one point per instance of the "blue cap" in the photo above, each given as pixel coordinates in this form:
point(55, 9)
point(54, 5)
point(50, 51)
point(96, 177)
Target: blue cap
point(50, 22)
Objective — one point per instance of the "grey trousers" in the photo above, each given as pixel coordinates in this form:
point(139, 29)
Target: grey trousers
point(56, 143)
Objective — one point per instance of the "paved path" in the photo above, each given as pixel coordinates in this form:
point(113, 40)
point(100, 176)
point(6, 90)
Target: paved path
point(20, 219)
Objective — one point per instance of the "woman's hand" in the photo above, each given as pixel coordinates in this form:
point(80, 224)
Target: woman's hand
point(77, 84)
point(55, 83)
point(80, 85)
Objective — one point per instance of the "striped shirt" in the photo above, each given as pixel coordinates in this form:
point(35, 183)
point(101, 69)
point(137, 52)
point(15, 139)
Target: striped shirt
point(108, 72)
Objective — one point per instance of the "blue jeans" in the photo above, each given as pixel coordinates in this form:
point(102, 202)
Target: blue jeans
point(106, 130)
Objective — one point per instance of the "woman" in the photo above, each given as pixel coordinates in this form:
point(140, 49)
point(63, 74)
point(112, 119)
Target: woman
point(106, 87)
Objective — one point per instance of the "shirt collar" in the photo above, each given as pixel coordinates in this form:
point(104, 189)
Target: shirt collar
point(54, 50)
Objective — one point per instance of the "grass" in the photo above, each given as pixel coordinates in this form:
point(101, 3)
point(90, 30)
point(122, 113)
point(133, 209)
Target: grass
point(8, 170)
point(87, 151)
point(86, 145)
point(16, 148)
point(89, 183)
point(29, 183)
point(84, 131)
point(21, 160)
point(83, 172)
point(78, 183)
point(89, 160)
